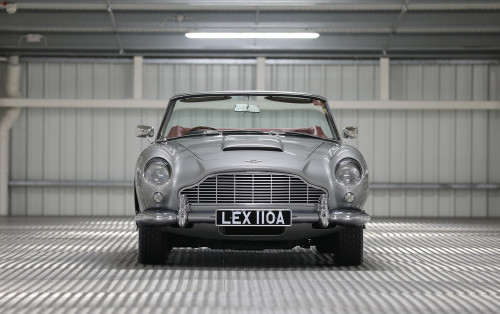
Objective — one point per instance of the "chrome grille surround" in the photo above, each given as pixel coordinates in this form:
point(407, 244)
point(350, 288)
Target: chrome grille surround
point(252, 188)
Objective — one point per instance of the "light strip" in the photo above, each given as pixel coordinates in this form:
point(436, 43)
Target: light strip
point(253, 35)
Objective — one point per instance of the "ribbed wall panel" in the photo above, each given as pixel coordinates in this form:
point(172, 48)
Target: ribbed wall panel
point(163, 80)
point(3, 77)
point(95, 144)
point(334, 81)
point(431, 146)
point(415, 146)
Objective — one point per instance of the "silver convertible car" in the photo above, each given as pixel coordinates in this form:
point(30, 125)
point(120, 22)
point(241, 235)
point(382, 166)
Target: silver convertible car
point(250, 170)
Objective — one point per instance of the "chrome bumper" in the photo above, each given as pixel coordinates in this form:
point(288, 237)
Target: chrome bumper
point(341, 217)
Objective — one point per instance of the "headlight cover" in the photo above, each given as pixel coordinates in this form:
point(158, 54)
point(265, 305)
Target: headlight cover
point(157, 171)
point(348, 172)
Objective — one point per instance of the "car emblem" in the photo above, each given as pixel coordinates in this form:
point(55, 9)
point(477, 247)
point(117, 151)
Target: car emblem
point(253, 161)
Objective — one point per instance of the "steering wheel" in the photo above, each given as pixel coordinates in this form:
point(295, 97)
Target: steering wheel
point(200, 129)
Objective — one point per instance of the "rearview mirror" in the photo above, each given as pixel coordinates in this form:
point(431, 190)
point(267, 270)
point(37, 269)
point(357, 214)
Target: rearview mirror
point(350, 132)
point(145, 131)
point(246, 108)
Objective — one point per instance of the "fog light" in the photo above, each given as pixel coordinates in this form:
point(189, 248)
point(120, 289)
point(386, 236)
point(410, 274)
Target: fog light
point(158, 197)
point(349, 197)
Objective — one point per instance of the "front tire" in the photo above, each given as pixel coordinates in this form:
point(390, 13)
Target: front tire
point(349, 247)
point(153, 246)
point(326, 244)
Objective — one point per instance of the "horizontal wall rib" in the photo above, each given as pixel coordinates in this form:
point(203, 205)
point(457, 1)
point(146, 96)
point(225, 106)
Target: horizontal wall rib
point(435, 186)
point(239, 61)
point(375, 185)
point(150, 103)
point(70, 183)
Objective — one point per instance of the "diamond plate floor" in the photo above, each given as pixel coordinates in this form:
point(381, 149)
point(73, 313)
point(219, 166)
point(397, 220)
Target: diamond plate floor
point(83, 265)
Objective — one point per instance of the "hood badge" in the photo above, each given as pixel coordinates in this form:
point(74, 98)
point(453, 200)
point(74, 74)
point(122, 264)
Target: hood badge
point(253, 161)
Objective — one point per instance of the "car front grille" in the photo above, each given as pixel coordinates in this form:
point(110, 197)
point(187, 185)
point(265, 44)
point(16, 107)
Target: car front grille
point(251, 188)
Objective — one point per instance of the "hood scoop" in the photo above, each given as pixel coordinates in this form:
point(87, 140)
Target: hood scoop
point(246, 142)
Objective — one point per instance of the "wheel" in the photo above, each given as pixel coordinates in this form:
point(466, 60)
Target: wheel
point(153, 246)
point(325, 244)
point(348, 247)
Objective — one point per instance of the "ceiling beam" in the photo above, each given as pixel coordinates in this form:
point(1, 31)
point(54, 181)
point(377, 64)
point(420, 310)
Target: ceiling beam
point(340, 30)
point(249, 6)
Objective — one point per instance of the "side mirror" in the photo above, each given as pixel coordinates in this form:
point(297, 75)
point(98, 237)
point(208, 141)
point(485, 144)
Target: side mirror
point(145, 131)
point(350, 132)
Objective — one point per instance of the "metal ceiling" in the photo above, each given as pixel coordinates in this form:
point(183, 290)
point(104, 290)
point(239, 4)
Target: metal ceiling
point(348, 28)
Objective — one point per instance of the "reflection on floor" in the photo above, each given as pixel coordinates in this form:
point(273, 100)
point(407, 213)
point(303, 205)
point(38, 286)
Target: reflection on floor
point(89, 264)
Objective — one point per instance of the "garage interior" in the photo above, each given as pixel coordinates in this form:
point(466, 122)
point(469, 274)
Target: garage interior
point(420, 79)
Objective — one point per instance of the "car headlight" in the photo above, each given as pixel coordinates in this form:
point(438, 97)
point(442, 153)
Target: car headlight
point(157, 171)
point(348, 172)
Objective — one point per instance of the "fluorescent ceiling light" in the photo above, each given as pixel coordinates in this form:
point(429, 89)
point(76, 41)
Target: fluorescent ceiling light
point(253, 35)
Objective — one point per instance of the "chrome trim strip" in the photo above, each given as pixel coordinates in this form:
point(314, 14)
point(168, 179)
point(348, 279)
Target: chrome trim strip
point(248, 92)
point(182, 214)
point(340, 217)
point(324, 213)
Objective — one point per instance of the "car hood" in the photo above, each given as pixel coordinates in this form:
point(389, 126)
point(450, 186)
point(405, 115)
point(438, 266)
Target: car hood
point(250, 147)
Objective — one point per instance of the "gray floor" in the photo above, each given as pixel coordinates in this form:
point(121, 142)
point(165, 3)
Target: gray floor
point(90, 264)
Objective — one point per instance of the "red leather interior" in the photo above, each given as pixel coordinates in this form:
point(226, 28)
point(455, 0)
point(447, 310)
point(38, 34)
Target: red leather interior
point(314, 130)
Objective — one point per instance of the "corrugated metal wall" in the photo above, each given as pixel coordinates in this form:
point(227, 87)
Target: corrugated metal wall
point(96, 144)
point(3, 77)
point(400, 146)
point(415, 146)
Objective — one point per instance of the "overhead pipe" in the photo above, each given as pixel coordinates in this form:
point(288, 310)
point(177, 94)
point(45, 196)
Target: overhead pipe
point(115, 28)
point(13, 82)
point(394, 28)
point(10, 115)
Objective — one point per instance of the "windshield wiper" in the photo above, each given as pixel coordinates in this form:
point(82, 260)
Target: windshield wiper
point(285, 133)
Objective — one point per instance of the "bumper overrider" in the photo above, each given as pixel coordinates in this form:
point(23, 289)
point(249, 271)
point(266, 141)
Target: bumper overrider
point(323, 216)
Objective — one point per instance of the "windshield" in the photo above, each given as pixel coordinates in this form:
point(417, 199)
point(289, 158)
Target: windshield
point(227, 113)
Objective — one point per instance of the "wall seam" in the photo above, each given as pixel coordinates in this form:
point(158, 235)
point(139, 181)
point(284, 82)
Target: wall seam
point(61, 158)
point(43, 133)
point(28, 65)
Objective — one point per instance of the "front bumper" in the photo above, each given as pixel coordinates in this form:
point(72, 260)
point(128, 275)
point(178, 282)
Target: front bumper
point(164, 218)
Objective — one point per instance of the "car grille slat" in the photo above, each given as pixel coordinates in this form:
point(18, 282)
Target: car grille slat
point(245, 188)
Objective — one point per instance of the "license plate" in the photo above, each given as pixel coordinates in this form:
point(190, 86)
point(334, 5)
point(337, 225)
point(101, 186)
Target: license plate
point(251, 217)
